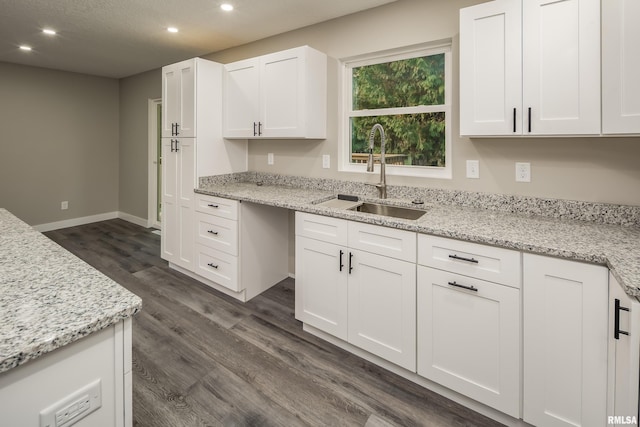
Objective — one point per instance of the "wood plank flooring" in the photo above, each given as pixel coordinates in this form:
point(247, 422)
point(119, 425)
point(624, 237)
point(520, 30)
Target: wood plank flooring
point(201, 358)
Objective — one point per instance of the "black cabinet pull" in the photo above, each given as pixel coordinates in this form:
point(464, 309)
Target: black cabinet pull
point(350, 262)
point(529, 114)
point(259, 128)
point(341, 264)
point(616, 327)
point(457, 285)
point(514, 119)
point(173, 129)
point(215, 233)
point(177, 133)
point(213, 206)
point(255, 132)
point(212, 265)
point(177, 149)
point(172, 150)
point(459, 258)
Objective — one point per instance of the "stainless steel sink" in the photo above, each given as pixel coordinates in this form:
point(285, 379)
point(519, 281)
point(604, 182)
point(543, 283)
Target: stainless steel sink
point(386, 210)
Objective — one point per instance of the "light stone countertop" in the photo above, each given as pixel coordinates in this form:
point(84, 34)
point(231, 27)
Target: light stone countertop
point(48, 297)
point(616, 246)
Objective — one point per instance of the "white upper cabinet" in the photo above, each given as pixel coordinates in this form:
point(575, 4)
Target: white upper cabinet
point(280, 95)
point(552, 49)
point(620, 67)
point(179, 99)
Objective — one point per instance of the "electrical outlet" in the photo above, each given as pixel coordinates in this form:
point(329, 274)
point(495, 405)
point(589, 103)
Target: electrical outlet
point(64, 205)
point(473, 169)
point(270, 158)
point(523, 172)
point(326, 161)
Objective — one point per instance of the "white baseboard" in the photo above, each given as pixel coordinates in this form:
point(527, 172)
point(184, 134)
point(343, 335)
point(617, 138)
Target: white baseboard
point(90, 219)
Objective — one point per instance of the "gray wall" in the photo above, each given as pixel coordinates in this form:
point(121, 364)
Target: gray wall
point(135, 93)
point(59, 141)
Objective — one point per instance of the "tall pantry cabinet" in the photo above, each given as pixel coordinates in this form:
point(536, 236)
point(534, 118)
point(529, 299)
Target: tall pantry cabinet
point(192, 147)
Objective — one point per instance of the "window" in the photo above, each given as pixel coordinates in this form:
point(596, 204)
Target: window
point(408, 93)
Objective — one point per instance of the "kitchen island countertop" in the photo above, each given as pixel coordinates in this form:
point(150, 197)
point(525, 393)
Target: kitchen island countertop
point(616, 246)
point(48, 297)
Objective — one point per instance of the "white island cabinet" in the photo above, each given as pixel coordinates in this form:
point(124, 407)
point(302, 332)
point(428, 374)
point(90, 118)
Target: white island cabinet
point(279, 95)
point(357, 282)
point(565, 342)
point(530, 67)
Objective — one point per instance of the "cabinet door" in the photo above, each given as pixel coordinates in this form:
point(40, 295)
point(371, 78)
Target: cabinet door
point(178, 99)
point(491, 68)
point(282, 94)
point(620, 66)
point(382, 307)
point(565, 342)
point(624, 355)
point(321, 285)
point(469, 339)
point(170, 231)
point(178, 182)
point(561, 66)
point(242, 91)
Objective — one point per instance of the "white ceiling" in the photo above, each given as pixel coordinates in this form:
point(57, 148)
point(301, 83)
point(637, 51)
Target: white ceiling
point(119, 38)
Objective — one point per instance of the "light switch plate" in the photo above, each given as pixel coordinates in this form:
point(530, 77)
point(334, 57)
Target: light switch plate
point(473, 169)
point(326, 161)
point(270, 158)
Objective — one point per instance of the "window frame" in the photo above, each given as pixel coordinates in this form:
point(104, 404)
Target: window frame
point(347, 112)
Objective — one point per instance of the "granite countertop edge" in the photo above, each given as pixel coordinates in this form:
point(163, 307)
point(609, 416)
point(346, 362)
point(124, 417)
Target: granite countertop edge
point(573, 245)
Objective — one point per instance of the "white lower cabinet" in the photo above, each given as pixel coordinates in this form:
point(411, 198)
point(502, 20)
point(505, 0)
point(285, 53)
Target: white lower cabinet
point(362, 297)
point(240, 248)
point(624, 355)
point(469, 328)
point(469, 337)
point(565, 342)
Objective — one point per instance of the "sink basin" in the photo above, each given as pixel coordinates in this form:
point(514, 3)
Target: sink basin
point(386, 210)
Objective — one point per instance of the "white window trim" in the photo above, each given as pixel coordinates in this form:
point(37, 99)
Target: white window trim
point(344, 149)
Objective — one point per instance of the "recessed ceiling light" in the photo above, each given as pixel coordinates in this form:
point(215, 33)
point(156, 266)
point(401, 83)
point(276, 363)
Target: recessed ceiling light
point(172, 29)
point(49, 31)
point(226, 7)
point(27, 48)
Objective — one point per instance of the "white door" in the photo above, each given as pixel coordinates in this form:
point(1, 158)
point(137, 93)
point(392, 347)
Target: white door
point(561, 66)
point(321, 285)
point(242, 90)
point(382, 307)
point(620, 66)
point(281, 97)
point(565, 342)
point(469, 337)
point(491, 68)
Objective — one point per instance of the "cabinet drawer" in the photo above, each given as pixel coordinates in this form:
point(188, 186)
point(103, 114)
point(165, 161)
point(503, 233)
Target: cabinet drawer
point(471, 259)
point(218, 267)
point(324, 228)
point(217, 233)
point(218, 206)
point(399, 244)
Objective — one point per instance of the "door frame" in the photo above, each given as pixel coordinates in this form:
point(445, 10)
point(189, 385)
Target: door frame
point(152, 187)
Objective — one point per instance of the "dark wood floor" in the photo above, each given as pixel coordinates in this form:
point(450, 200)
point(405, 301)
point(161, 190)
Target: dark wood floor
point(203, 359)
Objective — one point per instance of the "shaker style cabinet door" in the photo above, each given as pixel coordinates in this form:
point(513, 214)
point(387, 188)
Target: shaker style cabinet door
point(179, 99)
point(469, 337)
point(491, 68)
point(620, 67)
point(241, 101)
point(565, 342)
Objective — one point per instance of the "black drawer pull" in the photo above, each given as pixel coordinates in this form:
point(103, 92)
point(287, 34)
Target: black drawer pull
point(213, 206)
point(212, 265)
point(341, 264)
point(350, 262)
point(215, 233)
point(457, 285)
point(255, 132)
point(616, 327)
point(459, 258)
